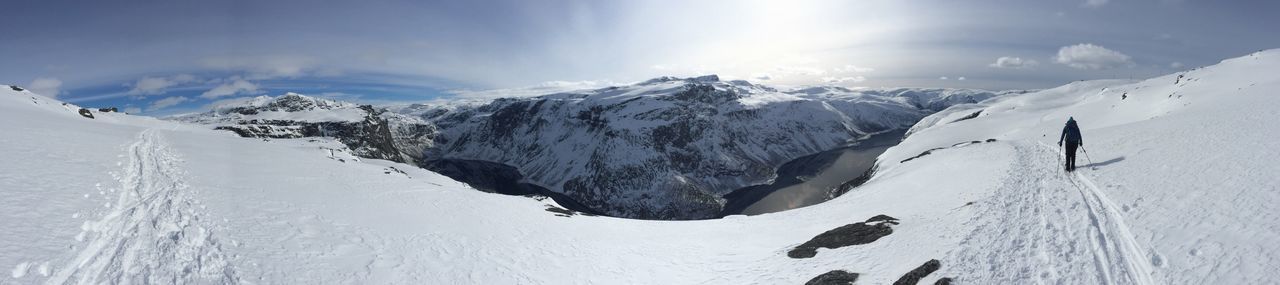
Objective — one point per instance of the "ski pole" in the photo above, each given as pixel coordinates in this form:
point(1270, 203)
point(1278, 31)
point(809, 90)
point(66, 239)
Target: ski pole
point(1060, 153)
point(1086, 154)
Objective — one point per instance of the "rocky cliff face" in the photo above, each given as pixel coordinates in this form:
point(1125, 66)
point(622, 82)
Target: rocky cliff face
point(369, 132)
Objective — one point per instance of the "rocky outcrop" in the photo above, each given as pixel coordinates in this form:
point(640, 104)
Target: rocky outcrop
point(852, 234)
point(834, 277)
point(86, 113)
point(369, 132)
point(913, 277)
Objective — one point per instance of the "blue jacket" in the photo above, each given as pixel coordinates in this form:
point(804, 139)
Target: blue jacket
point(1071, 133)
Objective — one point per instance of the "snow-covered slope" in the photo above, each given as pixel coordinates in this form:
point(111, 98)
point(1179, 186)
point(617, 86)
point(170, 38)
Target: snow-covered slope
point(1177, 184)
point(1181, 190)
point(671, 148)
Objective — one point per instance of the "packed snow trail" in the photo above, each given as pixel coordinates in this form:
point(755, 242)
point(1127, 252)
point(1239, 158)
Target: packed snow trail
point(152, 233)
point(1057, 228)
point(1115, 229)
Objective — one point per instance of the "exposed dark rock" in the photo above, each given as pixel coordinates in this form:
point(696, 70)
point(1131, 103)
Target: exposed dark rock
point(86, 113)
point(108, 110)
point(849, 185)
point(16, 88)
point(560, 211)
point(851, 234)
point(884, 218)
point(943, 281)
point(930, 151)
point(970, 116)
point(915, 275)
point(835, 277)
point(927, 152)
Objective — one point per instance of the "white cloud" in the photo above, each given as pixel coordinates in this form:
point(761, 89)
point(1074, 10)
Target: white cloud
point(46, 86)
point(167, 102)
point(1176, 64)
point(236, 86)
point(549, 87)
point(835, 80)
point(1095, 3)
point(1090, 56)
point(961, 78)
point(848, 68)
point(159, 85)
point(942, 78)
point(762, 77)
point(1014, 63)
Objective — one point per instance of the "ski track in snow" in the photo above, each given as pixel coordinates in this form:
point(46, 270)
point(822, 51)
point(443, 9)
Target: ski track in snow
point(153, 234)
point(1056, 228)
point(1122, 240)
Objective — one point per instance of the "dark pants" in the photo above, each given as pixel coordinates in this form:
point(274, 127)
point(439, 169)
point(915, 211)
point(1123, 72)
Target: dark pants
point(1071, 156)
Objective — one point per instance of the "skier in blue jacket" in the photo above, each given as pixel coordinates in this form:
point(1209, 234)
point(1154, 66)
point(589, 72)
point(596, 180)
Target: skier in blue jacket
point(1071, 134)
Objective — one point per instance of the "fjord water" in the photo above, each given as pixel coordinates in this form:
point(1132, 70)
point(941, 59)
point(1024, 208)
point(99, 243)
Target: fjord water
point(811, 179)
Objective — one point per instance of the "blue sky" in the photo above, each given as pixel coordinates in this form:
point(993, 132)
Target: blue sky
point(164, 57)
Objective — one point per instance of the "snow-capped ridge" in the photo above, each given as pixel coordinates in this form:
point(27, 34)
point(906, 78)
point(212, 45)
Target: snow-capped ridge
point(666, 148)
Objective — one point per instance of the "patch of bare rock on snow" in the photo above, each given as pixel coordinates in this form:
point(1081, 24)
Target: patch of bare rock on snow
point(152, 233)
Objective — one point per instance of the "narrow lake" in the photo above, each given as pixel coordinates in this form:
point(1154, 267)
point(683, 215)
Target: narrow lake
point(811, 179)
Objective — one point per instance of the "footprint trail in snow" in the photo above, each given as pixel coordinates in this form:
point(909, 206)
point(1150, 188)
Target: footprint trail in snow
point(1057, 229)
point(153, 232)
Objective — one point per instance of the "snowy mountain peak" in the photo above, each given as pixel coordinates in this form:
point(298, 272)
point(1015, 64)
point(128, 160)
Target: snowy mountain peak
point(289, 102)
point(704, 78)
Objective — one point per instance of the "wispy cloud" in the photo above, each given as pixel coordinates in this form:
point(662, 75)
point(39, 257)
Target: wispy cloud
point(236, 86)
point(1091, 57)
point(545, 88)
point(159, 85)
point(269, 66)
point(849, 68)
point(799, 70)
point(167, 102)
point(1011, 62)
point(1095, 3)
point(846, 79)
point(46, 86)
